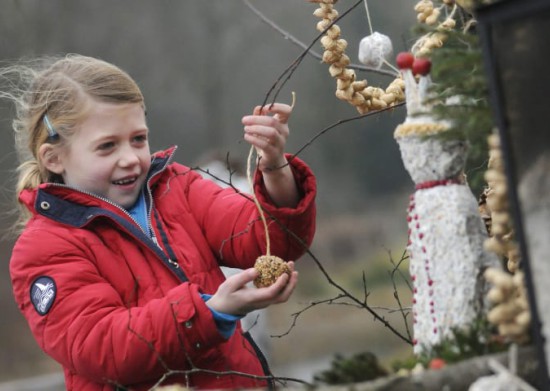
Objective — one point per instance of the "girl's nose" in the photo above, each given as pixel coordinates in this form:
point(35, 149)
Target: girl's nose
point(128, 157)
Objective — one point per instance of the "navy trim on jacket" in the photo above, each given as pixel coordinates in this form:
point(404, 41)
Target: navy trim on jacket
point(77, 215)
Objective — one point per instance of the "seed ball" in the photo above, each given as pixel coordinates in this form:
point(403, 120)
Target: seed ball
point(374, 49)
point(270, 267)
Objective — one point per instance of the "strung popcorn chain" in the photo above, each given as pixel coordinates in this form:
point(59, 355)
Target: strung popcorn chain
point(363, 97)
point(502, 235)
point(427, 14)
point(508, 295)
point(511, 309)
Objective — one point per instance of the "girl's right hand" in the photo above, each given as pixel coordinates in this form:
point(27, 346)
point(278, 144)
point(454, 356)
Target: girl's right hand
point(234, 297)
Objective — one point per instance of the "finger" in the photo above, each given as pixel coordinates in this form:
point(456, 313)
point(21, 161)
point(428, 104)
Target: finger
point(262, 120)
point(257, 110)
point(270, 293)
point(283, 282)
point(261, 143)
point(239, 280)
point(288, 288)
point(281, 110)
point(264, 129)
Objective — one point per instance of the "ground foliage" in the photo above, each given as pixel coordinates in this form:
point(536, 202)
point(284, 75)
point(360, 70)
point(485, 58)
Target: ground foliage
point(360, 367)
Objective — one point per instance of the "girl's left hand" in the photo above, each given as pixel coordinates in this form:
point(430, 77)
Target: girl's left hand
point(267, 130)
point(235, 297)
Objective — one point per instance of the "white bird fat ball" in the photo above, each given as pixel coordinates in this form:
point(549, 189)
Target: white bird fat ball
point(374, 49)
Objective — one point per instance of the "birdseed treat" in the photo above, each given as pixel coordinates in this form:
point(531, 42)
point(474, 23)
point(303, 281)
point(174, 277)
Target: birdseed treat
point(270, 268)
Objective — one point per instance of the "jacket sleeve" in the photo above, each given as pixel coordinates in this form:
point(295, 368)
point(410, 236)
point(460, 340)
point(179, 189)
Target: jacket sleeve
point(232, 224)
point(88, 327)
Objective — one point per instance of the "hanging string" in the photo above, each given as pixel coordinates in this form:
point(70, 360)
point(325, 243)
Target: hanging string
point(251, 185)
point(369, 21)
point(368, 15)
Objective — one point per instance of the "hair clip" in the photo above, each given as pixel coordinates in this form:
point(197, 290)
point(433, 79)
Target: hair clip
point(52, 134)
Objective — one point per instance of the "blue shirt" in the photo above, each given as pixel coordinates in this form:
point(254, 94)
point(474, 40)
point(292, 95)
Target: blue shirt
point(139, 213)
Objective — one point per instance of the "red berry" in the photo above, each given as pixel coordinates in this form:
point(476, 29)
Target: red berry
point(421, 66)
point(405, 60)
point(437, 363)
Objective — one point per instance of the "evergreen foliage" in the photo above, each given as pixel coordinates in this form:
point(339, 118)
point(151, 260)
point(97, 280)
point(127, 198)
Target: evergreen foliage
point(479, 339)
point(360, 367)
point(462, 98)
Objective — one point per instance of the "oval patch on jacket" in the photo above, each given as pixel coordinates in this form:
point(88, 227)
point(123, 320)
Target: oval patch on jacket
point(43, 291)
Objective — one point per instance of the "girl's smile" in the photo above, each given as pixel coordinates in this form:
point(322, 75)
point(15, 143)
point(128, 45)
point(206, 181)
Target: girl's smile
point(109, 153)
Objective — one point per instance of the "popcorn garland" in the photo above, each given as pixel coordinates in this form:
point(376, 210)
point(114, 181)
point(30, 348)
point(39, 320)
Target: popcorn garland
point(357, 93)
point(496, 207)
point(510, 312)
point(363, 97)
point(427, 14)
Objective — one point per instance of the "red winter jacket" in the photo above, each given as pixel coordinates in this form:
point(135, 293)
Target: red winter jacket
point(118, 310)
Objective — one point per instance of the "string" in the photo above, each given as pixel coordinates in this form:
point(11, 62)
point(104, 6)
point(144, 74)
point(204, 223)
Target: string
point(368, 16)
point(254, 198)
point(371, 32)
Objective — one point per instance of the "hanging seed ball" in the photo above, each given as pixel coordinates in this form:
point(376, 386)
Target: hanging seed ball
point(374, 49)
point(270, 268)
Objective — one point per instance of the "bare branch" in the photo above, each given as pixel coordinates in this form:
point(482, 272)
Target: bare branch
point(396, 269)
point(307, 48)
point(289, 71)
point(341, 122)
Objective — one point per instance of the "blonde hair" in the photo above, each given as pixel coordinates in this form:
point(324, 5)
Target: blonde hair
point(61, 89)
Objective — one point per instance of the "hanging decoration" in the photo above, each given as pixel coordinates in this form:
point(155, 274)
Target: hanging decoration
point(269, 266)
point(446, 232)
point(359, 94)
point(510, 311)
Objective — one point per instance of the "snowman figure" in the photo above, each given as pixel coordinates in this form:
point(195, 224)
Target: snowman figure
point(446, 232)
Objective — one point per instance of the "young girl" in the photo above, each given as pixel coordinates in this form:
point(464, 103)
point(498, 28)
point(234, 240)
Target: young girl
point(117, 268)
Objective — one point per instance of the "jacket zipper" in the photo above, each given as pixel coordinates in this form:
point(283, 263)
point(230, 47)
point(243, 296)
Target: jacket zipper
point(173, 265)
point(150, 208)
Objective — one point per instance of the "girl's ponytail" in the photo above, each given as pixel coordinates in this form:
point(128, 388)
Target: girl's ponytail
point(29, 178)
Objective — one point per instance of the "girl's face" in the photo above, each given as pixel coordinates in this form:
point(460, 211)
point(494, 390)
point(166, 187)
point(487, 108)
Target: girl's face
point(109, 153)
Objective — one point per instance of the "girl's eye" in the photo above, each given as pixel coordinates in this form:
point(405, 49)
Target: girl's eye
point(106, 146)
point(141, 138)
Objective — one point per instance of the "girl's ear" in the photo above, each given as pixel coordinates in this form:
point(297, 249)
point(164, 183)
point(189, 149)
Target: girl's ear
point(49, 156)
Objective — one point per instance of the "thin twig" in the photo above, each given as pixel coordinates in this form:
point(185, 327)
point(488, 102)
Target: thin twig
point(396, 269)
point(289, 71)
point(192, 371)
point(344, 293)
point(311, 52)
point(341, 122)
